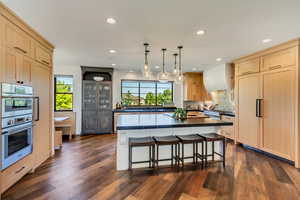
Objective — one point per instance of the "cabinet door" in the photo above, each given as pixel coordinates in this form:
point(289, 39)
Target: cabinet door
point(1, 31)
point(24, 70)
point(280, 59)
point(248, 67)
point(43, 56)
point(10, 66)
point(42, 136)
point(248, 123)
point(278, 122)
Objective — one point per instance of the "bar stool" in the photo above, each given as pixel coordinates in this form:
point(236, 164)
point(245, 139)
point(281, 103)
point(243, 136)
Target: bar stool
point(142, 142)
point(168, 140)
point(214, 137)
point(195, 140)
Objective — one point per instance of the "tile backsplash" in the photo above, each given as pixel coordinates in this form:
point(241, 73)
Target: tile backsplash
point(224, 100)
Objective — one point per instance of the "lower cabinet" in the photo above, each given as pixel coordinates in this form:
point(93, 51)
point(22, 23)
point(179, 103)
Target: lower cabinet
point(41, 80)
point(227, 131)
point(15, 172)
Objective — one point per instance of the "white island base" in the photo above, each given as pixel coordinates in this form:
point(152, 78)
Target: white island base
point(142, 153)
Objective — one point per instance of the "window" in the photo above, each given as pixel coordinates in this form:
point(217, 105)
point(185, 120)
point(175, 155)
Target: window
point(146, 93)
point(63, 87)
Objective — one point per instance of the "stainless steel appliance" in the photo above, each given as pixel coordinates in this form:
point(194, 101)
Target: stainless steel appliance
point(16, 121)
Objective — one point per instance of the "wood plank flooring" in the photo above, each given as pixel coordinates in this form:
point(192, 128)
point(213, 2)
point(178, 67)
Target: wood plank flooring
point(85, 169)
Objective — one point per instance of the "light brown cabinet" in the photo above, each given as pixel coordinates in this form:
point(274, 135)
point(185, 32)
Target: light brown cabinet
point(280, 59)
point(1, 31)
point(248, 67)
point(41, 80)
point(267, 102)
point(17, 67)
point(194, 87)
point(248, 123)
point(278, 113)
point(43, 56)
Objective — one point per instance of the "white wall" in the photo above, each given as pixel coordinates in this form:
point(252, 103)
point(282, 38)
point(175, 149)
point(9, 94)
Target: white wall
point(75, 71)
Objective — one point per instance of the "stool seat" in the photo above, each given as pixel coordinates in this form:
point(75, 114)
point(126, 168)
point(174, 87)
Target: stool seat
point(166, 140)
point(190, 138)
point(212, 136)
point(143, 141)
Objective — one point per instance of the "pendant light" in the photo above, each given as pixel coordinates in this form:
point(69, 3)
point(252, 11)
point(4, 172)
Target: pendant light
point(146, 70)
point(179, 78)
point(175, 71)
point(163, 76)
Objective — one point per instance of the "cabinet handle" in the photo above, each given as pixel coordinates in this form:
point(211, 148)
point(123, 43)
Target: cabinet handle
point(44, 61)
point(275, 67)
point(245, 73)
point(20, 49)
point(21, 169)
point(37, 109)
point(258, 108)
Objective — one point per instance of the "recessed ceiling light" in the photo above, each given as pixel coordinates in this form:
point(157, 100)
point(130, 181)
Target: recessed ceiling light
point(111, 20)
point(157, 67)
point(218, 59)
point(113, 64)
point(200, 32)
point(112, 51)
point(267, 40)
point(131, 71)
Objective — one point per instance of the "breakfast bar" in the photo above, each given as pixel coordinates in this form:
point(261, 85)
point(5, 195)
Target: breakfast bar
point(161, 124)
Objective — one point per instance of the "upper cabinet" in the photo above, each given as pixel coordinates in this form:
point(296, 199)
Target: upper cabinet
point(279, 59)
point(43, 56)
point(194, 87)
point(248, 67)
point(1, 30)
point(17, 39)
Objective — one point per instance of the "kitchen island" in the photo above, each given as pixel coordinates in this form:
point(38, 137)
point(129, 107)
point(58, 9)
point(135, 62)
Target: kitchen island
point(144, 125)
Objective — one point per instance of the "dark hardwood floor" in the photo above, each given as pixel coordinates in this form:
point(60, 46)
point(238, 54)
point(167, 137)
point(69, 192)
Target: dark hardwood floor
point(85, 169)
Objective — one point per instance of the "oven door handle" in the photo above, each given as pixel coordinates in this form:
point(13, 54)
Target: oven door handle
point(13, 131)
point(37, 110)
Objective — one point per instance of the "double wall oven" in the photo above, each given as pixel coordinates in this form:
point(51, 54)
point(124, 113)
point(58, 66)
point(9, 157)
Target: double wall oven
point(18, 107)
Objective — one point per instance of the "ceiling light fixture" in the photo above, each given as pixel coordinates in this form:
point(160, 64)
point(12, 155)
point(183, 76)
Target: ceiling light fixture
point(267, 40)
point(113, 64)
point(163, 76)
point(157, 67)
point(200, 32)
point(179, 77)
point(112, 51)
point(194, 69)
point(175, 71)
point(146, 70)
point(219, 59)
point(111, 20)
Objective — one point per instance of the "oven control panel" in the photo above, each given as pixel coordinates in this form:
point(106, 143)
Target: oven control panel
point(17, 120)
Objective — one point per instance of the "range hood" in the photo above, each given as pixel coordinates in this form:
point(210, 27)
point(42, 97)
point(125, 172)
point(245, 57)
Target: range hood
point(218, 78)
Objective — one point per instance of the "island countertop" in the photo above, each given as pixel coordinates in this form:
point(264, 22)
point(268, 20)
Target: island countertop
point(151, 121)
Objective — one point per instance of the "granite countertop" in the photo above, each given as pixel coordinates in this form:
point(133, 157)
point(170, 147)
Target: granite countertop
point(151, 121)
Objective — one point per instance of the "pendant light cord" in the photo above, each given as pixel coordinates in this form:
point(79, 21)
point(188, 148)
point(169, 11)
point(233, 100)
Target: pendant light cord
point(164, 50)
point(180, 67)
point(175, 56)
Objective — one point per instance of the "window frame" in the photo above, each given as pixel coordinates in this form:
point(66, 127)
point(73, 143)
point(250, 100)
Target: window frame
point(68, 76)
point(139, 92)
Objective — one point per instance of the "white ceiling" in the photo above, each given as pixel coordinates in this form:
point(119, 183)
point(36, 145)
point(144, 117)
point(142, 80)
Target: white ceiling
point(234, 28)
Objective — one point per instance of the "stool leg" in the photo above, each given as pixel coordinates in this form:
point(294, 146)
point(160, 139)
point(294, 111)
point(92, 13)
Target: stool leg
point(130, 158)
point(172, 155)
point(150, 156)
point(182, 156)
point(153, 156)
point(194, 152)
point(176, 156)
point(224, 152)
point(205, 153)
point(157, 158)
point(202, 154)
point(197, 152)
point(213, 151)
